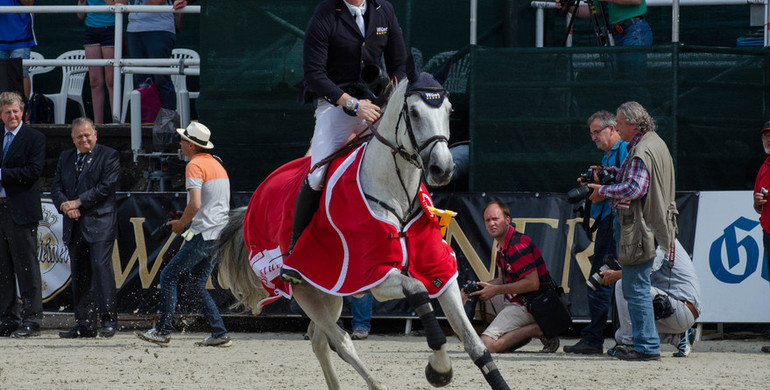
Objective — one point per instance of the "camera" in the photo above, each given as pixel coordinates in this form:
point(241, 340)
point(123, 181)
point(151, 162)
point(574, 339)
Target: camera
point(604, 177)
point(471, 287)
point(595, 280)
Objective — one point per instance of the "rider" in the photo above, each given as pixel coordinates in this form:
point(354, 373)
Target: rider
point(342, 38)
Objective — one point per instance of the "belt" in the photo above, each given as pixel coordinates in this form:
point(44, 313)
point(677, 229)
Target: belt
point(692, 309)
point(622, 25)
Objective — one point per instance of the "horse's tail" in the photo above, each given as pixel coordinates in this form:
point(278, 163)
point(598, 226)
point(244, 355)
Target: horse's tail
point(234, 264)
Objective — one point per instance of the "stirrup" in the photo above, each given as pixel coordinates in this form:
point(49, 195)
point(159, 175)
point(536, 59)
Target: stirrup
point(291, 276)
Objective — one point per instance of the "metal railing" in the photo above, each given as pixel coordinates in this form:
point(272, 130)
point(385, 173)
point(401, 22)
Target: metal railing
point(540, 7)
point(121, 65)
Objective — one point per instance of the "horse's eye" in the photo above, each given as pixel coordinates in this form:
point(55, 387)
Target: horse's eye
point(415, 114)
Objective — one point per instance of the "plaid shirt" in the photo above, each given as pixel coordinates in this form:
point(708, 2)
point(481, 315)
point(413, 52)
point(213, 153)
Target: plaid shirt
point(635, 185)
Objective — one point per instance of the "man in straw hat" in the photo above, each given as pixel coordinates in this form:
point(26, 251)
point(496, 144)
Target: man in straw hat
point(208, 204)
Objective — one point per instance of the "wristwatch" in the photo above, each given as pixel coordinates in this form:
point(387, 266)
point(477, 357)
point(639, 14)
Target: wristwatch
point(350, 103)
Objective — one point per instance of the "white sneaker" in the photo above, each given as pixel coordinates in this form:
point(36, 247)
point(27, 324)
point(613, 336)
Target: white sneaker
point(359, 334)
point(155, 336)
point(222, 341)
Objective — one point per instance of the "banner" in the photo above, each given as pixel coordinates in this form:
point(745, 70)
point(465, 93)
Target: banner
point(143, 248)
point(730, 260)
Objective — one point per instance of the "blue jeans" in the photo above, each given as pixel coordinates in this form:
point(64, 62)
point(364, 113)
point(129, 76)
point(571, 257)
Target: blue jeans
point(637, 34)
point(193, 262)
point(22, 53)
point(361, 310)
point(154, 44)
point(600, 300)
point(636, 291)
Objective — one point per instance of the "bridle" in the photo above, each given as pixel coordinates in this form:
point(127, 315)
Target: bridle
point(413, 158)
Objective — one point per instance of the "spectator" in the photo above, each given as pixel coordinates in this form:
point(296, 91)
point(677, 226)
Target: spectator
point(153, 35)
point(83, 189)
point(676, 281)
point(521, 269)
point(17, 37)
point(337, 47)
point(601, 126)
point(760, 197)
point(21, 164)
point(207, 208)
point(99, 42)
point(643, 201)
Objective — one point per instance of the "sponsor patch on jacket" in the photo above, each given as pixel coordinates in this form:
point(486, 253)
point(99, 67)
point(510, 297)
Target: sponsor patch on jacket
point(382, 30)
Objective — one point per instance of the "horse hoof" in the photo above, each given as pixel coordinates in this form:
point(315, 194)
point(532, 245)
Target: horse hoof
point(437, 379)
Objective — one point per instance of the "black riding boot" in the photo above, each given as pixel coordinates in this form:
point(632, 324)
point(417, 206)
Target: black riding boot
point(304, 208)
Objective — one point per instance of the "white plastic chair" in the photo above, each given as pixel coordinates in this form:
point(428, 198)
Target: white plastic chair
point(72, 80)
point(180, 80)
point(37, 69)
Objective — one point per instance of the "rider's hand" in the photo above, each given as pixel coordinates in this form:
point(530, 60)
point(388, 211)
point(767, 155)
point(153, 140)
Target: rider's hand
point(368, 111)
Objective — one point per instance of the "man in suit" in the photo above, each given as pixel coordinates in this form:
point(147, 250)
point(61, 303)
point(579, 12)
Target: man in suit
point(21, 163)
point(83, 190)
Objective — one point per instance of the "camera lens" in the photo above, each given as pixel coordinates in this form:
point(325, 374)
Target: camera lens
point(577, 194)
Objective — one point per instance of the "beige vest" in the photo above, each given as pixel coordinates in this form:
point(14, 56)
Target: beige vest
point(652, 218)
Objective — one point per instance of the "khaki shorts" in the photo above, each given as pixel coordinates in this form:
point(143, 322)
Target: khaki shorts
point(512, 316)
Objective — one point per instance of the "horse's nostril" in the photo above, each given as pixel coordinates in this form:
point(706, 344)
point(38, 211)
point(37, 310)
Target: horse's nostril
point(436, 171)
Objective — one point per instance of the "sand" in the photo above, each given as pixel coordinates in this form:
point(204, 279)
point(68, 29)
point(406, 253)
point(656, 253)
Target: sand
point(285, 361)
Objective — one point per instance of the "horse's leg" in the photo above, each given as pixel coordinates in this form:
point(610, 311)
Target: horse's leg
point(324, 310)
point(439, 369)
point(451, 303)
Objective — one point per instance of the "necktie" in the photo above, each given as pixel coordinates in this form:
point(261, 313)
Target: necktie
point(7, 142)
point(81, 162)
point(359, 19)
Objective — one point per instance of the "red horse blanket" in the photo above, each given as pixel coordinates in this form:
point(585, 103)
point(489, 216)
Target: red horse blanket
point(346, 249)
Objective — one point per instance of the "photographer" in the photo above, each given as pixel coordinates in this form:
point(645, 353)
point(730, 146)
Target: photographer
point(626, 20)
point(603, 133)
point(521, 269)
point(761, 185)
point(643, 202)
point(675, 293)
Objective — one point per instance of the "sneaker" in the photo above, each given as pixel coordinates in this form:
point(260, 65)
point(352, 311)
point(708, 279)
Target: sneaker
point(766, 349)
point(617, 348)
point(582, 348)
point(550, 345)
point(636, 356)
point(155, 336)
point(684, 347)
point(222, 341)
point(359, 334)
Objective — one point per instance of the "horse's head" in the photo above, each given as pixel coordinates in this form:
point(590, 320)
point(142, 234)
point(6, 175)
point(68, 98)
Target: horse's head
point(422, 126)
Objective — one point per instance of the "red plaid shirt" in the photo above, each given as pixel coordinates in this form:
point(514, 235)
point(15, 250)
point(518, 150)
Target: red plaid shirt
point(635, 185)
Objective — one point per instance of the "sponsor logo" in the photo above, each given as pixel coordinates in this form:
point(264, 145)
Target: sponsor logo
point(432, 95)
point(52, 252)
point(438, 283)
point(382, 30)
point(736, 255)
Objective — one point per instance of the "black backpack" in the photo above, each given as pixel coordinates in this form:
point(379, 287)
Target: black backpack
point(39, 109)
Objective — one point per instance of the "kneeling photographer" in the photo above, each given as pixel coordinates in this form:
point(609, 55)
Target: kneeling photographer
point(675, 296)
point(601, 127)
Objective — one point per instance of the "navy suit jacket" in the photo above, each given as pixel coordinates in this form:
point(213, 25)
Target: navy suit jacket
point(20, 170)
point(335, 52)
point(95, 188)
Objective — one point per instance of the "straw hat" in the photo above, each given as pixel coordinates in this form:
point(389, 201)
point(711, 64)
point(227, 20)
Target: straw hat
point(198, 134)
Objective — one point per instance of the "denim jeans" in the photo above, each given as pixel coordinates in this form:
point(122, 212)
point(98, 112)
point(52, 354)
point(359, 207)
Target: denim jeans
point(193, 262)
point(361, 310)
point(637, 34)
point(600, 300)
point(154, 44)
point(636, 290)
point(22, 53)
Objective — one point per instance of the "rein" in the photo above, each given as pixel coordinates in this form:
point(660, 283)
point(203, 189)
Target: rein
point(412, 158)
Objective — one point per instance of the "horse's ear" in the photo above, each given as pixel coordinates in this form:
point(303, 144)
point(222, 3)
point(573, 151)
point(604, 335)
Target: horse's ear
point(411, 69)
point(443, 73)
